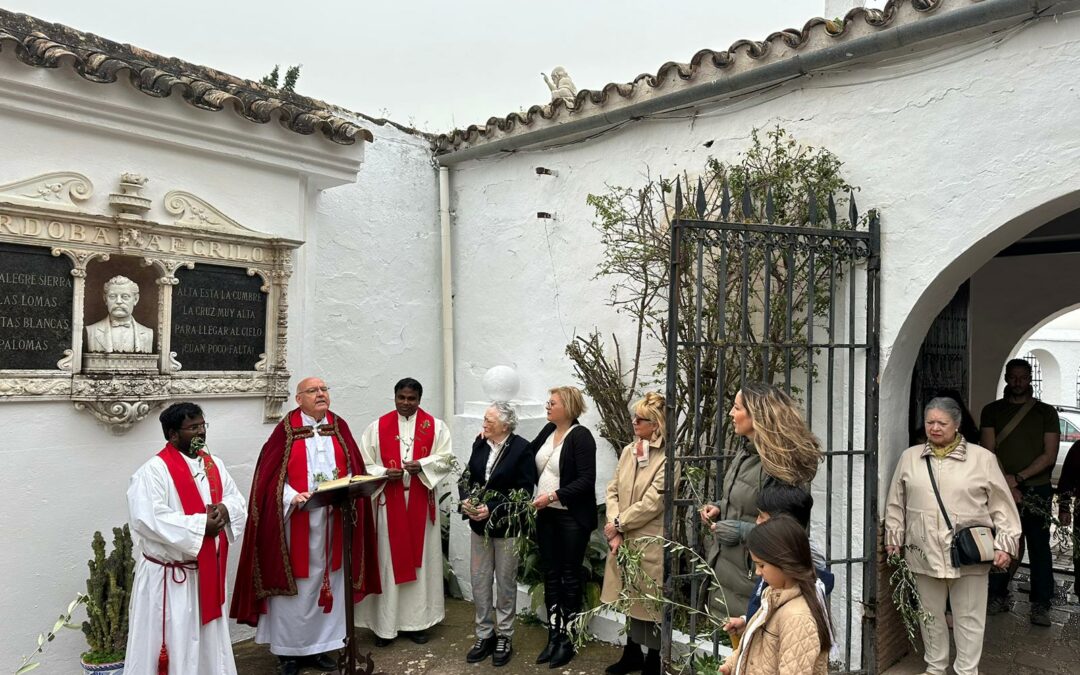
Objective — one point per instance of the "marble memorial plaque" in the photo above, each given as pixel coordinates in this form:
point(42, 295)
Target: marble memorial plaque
point(218, 319)
point(36, 295)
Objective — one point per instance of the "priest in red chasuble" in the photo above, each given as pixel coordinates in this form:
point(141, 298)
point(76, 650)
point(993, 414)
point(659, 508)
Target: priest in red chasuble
point(412, 449)
point(185, 511)
point(290, 581)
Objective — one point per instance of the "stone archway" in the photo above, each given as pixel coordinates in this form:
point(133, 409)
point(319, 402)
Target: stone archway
point(904, 328)
point(1014, 289)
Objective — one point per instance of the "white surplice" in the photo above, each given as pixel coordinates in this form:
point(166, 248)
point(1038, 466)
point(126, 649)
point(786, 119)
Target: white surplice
point(161, 530)
point(419, 604)
point(295, 625)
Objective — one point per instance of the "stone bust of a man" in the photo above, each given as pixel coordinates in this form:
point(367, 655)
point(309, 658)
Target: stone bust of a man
point(119, 332)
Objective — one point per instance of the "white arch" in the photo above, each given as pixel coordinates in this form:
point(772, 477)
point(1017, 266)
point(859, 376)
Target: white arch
point(989, 234)
point(1035, 329)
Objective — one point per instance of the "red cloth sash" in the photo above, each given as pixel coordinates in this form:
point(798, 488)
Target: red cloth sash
point(405, 524)
point(212, 559)
point(300, 521)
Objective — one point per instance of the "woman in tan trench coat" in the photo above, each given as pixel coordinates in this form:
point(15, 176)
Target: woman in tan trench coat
point(635, 508)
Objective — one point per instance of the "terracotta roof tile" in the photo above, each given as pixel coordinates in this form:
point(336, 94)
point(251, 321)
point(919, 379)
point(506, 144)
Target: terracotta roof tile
point(50, 45)
point(741, 55)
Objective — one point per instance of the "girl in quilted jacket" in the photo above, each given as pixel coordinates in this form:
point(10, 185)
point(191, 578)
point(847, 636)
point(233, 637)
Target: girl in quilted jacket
point(791, 633)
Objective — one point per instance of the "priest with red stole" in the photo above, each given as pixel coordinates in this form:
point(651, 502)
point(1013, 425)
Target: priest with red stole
point(412, 449)
point(290, 582)
point(185, 511)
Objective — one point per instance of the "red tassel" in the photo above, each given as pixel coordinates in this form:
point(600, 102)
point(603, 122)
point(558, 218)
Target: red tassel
point(163, 661)
point(326, 597)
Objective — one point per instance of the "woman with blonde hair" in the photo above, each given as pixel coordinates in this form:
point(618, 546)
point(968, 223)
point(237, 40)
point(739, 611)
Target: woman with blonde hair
point(779, 448)
point(635, 509)
point(565, 456)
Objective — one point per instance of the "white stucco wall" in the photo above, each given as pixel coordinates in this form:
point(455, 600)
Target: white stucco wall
point(963, 150)
point(955, 148)
point(363, 303)
point(373, 294)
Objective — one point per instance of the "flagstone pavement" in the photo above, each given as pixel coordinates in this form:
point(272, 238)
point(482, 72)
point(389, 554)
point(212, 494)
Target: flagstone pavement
point(1013, 646)
point(444, 654)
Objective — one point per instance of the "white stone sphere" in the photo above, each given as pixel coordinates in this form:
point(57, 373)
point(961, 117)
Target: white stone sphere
point(501, 383)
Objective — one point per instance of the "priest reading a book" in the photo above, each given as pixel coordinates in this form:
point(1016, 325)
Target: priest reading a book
point(297, 602)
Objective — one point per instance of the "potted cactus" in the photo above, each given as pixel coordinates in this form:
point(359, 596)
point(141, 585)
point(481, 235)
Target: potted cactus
point(108, 594)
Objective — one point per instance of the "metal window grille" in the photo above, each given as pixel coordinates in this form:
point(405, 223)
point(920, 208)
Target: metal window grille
point(1036, 374)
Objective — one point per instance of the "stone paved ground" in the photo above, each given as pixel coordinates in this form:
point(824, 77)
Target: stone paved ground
point(1013, 646)
point(444, 654)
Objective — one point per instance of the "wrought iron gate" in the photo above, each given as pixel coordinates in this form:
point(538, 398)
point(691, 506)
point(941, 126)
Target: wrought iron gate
point(797, 306)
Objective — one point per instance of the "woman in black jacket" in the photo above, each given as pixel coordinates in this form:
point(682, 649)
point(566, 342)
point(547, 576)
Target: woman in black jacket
point(500, 464)
point(565, 455)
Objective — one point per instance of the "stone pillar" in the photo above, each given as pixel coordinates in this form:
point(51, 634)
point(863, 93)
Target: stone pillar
point(500, 383)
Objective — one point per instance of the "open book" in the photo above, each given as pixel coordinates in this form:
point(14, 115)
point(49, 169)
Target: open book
point(342, 482)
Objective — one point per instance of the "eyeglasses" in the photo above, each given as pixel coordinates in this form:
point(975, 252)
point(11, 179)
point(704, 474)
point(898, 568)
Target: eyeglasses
point(642, 420)
point(196, 427)
point(550, 404)
point(314, 390)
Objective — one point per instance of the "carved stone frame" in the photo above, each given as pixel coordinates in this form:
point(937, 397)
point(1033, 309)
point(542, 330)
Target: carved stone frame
point(32, 214)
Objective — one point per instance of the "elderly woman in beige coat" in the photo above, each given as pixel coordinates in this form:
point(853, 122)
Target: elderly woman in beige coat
point(974, 492)
point(635, 508)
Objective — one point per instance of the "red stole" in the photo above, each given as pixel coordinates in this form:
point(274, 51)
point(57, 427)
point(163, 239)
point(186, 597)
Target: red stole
point(211, 559)
point(300, 521)
point(405, 522)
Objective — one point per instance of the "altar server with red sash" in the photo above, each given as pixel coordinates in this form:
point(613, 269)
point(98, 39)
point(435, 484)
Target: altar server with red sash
point(290, 581)
point(185, 511)
point(413, 450)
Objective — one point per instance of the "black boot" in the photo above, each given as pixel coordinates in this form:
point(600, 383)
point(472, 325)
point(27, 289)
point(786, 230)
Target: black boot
point(553, 635)
point(563, 652)
point(632, 660)
point(652, 663)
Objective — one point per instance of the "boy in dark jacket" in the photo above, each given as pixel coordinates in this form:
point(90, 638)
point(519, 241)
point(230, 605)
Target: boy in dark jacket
point(774, 500)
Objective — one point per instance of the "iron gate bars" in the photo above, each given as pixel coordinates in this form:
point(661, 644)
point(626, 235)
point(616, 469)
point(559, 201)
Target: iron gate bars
point(797, 306)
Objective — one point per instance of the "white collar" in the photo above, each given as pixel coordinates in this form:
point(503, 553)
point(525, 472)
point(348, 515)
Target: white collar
point(310, 421)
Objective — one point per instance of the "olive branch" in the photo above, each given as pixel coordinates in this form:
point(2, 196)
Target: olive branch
point(640, 588)
point(43, 639)
point(513, 509)
point(1064, 535)
point(905, 594)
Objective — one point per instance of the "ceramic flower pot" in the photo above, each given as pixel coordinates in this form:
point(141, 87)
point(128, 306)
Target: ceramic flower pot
point(116, 668)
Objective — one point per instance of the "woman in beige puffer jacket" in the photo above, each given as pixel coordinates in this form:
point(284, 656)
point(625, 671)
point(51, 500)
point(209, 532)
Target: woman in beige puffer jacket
point(791, 634)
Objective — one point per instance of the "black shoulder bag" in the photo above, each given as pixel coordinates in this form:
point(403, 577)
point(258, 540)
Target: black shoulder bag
point(973, 545)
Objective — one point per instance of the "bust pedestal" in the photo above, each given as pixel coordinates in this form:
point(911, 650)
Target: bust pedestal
point(117, 362)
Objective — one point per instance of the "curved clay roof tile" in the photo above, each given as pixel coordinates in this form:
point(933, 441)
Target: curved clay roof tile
point(42, 44)
point(674, 72)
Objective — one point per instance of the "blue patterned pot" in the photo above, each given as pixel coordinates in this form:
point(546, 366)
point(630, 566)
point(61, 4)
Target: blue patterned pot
point(103, 668)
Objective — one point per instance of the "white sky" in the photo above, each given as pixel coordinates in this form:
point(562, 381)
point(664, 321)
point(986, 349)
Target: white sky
point(433, 64)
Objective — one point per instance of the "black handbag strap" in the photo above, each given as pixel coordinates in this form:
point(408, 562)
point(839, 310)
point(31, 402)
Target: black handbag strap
point(937, 493)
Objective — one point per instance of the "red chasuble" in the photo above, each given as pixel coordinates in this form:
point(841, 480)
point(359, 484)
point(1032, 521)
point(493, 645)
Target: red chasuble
point(406, 510)
point(211, 559)
point(267, 566)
